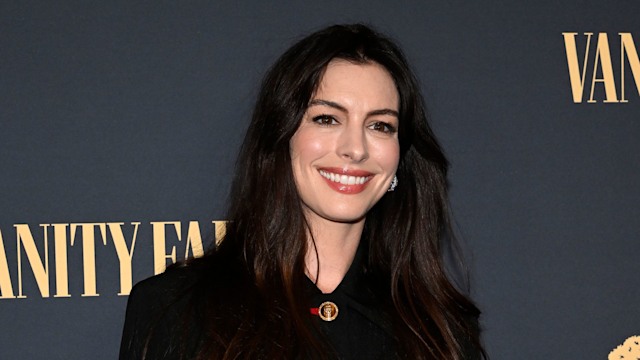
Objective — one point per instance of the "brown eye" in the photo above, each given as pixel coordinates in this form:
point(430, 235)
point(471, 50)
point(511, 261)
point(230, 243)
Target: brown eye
point(383, 127)
point(325, 120)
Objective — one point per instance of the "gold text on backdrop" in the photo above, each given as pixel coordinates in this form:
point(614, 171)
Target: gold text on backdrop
point(601, 63)
point(64, 237)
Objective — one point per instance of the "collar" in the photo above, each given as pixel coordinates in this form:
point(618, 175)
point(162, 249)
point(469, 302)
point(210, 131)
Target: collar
point(354, 293)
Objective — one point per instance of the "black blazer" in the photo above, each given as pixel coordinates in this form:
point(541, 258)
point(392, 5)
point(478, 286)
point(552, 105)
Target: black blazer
point(159, 324)
point(155, 320)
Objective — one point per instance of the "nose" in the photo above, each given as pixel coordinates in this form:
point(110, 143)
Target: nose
point(352, 144)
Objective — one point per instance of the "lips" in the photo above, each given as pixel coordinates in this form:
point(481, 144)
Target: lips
point(346, 181)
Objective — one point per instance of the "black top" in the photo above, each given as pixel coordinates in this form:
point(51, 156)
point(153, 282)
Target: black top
point(361, 330)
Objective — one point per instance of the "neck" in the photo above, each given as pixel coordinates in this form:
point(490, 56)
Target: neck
point(331, 250)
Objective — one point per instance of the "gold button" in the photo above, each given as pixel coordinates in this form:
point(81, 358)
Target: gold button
point(328, 311)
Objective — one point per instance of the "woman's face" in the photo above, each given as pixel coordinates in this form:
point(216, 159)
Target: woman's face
point(345, 152)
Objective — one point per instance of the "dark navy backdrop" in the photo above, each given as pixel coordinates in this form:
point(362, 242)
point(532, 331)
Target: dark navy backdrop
point(133, 112)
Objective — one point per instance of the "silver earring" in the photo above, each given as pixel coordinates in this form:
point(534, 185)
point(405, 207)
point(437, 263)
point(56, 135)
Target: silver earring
point(394, 183)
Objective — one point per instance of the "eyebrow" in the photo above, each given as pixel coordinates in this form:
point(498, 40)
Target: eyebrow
point(337, 106)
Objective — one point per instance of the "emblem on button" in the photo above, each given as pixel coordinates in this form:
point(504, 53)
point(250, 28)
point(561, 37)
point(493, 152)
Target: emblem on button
point(328, 311)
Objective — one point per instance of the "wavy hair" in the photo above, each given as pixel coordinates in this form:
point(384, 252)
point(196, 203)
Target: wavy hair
point(406, 231)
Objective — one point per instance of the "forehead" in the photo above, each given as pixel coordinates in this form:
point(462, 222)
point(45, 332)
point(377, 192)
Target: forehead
point(368, 84)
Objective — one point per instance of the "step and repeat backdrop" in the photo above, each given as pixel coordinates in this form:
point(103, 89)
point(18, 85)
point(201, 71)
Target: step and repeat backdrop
point(120, 122)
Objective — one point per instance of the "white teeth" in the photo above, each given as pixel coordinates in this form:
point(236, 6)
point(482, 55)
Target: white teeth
point(344, 179)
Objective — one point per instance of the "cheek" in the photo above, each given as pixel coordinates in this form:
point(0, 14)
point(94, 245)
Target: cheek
point(307, 146)
point(388, 155)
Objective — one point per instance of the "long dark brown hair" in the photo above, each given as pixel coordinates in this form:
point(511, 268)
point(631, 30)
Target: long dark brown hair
point(251, 302)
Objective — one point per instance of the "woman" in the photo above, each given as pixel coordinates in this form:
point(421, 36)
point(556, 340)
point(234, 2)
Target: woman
point(339, 218)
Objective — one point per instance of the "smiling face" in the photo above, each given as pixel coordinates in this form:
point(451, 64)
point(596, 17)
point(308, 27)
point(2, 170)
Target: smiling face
point(345, 151)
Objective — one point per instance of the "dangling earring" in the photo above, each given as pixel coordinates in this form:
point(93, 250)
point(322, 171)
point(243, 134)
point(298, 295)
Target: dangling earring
point(394, 183)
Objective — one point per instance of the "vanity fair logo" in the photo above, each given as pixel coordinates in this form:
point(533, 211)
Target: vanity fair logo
point(67, 236)
point(598, 66)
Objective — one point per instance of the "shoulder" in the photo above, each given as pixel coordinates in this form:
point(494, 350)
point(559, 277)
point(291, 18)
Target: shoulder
point(180, 282)
point(164, 317)
point(164, 287)
point(154, 310)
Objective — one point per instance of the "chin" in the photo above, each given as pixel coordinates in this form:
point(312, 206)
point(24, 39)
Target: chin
point(347, 218)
